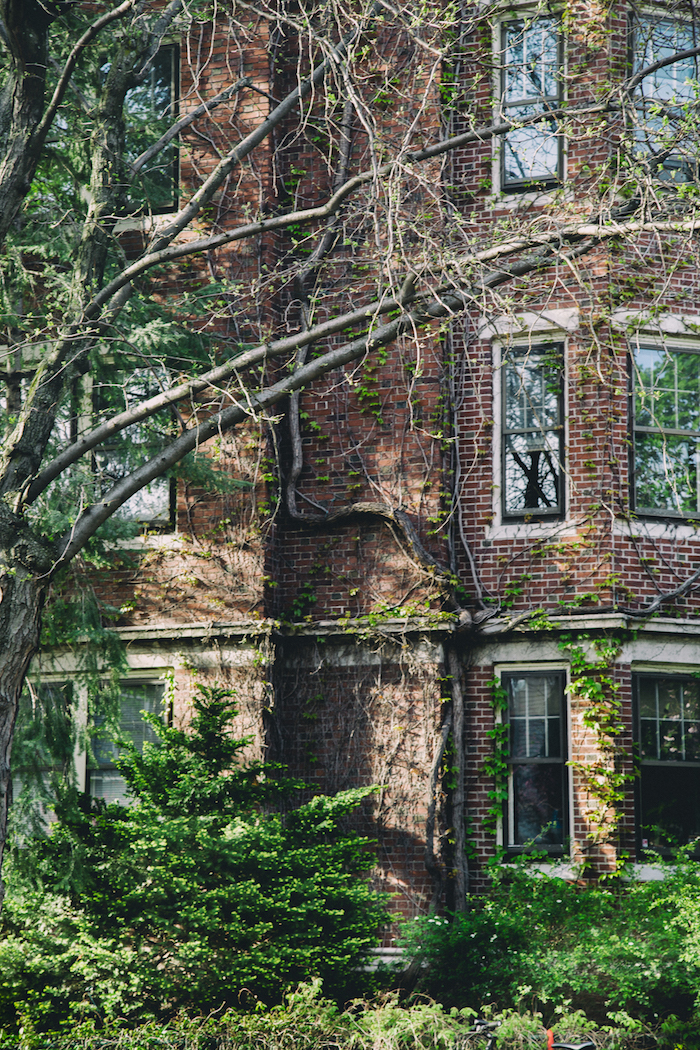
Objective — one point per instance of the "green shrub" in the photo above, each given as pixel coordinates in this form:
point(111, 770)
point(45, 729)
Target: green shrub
point(628, 949)
point(198, 895)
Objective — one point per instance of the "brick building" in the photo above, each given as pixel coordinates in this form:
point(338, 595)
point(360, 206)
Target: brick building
point(464, 568)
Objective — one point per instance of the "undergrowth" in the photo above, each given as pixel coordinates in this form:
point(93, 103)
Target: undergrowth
point(308, 1021)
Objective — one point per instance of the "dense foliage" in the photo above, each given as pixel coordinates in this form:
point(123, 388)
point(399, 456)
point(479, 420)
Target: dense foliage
point(306, 1020)
point(630, 950)
point(199, 894)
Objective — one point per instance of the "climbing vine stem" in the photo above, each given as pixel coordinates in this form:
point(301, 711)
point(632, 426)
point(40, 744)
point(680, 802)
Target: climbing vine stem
point(597, 708)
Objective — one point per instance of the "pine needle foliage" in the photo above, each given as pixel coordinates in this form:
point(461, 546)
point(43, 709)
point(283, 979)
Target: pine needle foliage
point(200, 894)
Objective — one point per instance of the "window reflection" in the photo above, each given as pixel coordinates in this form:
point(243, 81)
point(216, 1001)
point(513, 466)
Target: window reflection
point(666, 426)
point(531, 85)
point(668, 713)
point(532, 432)
point(665, 122)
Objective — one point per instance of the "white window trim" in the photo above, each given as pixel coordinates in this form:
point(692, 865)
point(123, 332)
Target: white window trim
point(539, 667)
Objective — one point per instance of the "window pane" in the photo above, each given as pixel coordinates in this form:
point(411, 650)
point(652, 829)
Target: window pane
point(531, 60)
point(667, 392)
point(670, 746)
point(535, 715)
point(665, 475)
point(665, 98)
point(152, 504)
point(538, 805)
point(532, 430)
point(149, 110)
point(670, 804)
point(647, 698)
point(669, 718)
point(531, 475)
point(533, 389)
point(658, 40)
point(530, 153)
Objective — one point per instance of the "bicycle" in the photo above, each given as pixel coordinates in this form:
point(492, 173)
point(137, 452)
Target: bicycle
point(488, 1030)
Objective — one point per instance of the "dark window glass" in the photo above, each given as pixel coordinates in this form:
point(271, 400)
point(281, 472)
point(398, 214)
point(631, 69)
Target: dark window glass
point(666, 430)
point(668, 732)
point(665, 122)
point(533, 432)
point(149, 111)
point(537, 800)
point(136, 697)
point(530, 85)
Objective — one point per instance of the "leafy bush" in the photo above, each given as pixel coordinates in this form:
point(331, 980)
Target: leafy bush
point(632, 949)
point(197, 895)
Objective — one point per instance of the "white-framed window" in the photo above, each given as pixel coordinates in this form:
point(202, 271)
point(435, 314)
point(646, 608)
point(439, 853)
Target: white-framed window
point(666, 429)
point(537, 810)
point(532, 432)
point(104, 779)
point(666, 124)
point(667, 723)
point(531, 62)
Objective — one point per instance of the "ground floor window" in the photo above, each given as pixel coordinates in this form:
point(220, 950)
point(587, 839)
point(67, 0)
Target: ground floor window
point(537, 809)
point(668, 733)
point(105, 780)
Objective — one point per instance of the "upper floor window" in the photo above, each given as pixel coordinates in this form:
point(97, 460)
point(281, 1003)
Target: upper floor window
point(531, 84)
point(533, 432)
point(666, 422)
point(154, 505)
point(537, 813)
point(149, 110)
point(668, 733)
point(666, 129)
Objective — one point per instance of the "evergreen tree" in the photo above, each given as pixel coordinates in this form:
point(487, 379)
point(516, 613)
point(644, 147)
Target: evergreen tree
point(202, 892)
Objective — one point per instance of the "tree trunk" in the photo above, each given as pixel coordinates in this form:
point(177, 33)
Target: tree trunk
point(20, 611)
point(24, 26)
point(24, 566)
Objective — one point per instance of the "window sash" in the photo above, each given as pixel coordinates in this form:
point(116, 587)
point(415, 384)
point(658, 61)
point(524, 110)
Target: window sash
point(105, 780)
point(536, 813)
point(667, 734)
point(530, 84)
point(149, 110)
point(532, 432)
point(661, 97)
point(666, 426)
